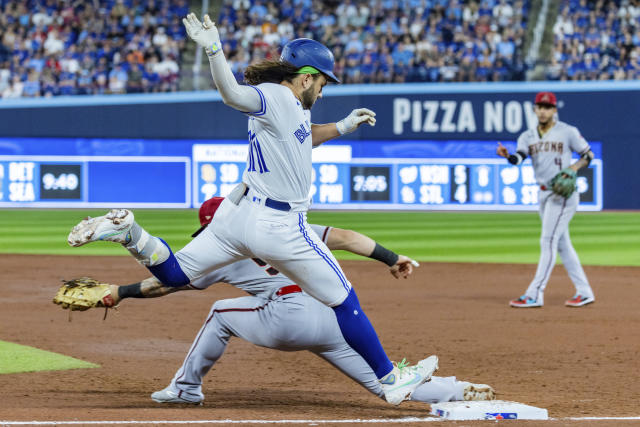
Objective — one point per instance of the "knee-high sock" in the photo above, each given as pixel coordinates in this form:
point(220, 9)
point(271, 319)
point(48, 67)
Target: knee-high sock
point(155, 254)
point(360, 335)
point(169, 272)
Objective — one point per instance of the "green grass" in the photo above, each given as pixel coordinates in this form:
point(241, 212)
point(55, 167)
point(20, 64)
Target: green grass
point(601, 238)
point(16, 358)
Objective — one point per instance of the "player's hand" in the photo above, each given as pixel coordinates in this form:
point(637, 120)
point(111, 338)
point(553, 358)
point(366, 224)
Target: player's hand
point(205, 34)
point(403, 267)
point(355, 119)
point(502, 150)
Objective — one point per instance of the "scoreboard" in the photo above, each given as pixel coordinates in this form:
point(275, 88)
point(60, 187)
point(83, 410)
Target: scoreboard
point(407, 175)
point(97, 181)
point(342, 181)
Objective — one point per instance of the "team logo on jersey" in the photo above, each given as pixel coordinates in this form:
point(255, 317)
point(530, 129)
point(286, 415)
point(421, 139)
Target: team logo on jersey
point(302, 133)
point(541, 146)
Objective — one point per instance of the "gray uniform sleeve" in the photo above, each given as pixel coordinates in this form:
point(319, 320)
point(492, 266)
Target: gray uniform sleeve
point(523, 143)
point(322, 231)
point(576, 142)
point(522, 149)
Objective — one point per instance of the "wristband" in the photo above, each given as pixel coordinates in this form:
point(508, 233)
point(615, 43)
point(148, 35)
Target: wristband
point(130, 291)
point(213, 49)
point(383, 254)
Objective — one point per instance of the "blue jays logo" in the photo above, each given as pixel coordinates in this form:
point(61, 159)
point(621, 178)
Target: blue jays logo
point(501, 416)
point(302, 133)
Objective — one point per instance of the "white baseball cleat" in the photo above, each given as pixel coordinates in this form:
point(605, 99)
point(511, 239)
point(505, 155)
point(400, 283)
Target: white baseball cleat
point(170, 396)
point(112, 227)
point(399, 384)
point(478, 392)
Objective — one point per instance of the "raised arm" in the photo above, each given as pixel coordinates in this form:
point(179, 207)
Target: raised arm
point(352, 241)
point(239, 97)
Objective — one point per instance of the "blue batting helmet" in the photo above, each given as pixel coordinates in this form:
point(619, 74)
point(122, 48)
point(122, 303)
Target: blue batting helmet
point(307, 52)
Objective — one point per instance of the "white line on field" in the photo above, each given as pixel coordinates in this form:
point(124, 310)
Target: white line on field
point(354, 421)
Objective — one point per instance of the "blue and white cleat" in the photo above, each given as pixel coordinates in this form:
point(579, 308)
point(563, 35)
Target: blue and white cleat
point(525, 302)
point(112, 227)
point(171, 396)
point(399, 384)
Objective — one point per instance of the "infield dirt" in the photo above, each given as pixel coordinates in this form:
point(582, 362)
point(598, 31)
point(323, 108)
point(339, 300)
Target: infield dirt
point(574, 362)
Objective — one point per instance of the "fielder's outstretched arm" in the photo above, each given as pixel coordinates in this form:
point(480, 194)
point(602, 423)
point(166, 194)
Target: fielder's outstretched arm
point(357, 243)
point(148, 288)
point(239, 97)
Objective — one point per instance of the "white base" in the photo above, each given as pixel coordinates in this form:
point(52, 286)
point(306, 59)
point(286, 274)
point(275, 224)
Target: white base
point(488, 410)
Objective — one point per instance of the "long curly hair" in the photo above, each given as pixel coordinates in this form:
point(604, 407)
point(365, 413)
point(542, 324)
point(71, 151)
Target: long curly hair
point(270, 71)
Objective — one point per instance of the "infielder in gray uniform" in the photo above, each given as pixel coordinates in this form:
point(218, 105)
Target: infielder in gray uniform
point(550, 146)
point(279, 315)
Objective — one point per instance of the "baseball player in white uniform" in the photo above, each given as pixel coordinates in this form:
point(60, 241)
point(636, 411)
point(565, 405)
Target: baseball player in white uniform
point(279, 315)
point(265, 216)
point(550, 146)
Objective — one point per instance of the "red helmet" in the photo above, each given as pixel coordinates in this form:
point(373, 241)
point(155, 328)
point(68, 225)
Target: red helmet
point(546, 98)
point(206, 212)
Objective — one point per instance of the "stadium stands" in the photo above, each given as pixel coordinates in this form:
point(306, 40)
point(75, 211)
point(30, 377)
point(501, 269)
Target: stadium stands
point(51, 47)
point(596, 41)
point(66, 47)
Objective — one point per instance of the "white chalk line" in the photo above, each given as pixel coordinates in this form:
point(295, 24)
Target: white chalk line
point(228, 421)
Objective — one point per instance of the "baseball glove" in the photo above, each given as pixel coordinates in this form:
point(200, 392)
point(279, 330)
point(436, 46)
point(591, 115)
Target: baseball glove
point(83, 293)
point(564, 183)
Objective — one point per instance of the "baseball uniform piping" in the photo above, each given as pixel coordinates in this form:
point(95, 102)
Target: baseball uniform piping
point(551, 261)
point(263, 104)
point(324, 256)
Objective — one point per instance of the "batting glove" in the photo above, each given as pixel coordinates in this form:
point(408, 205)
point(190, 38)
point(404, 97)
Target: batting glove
point(355, 119)
point(206, 35)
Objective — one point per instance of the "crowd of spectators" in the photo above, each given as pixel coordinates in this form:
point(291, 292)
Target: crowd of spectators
point(379, 41)
point(68, 47)
point(75, 47)
point(596, 40)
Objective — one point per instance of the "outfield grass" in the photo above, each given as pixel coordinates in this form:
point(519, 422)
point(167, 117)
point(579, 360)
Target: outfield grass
point(16, 358)
point(601, 238)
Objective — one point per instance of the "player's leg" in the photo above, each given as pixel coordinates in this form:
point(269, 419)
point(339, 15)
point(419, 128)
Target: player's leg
point(119, 226)
point(242, 317)
point(208, 251)
point(584, 293)
point(287, 242)
point(437, 389)
point(556, 212)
